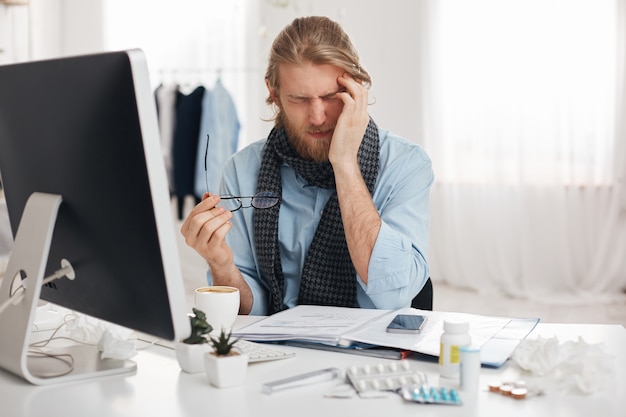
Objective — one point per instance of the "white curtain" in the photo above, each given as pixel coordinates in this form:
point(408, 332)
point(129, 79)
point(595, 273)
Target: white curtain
point(524, 122)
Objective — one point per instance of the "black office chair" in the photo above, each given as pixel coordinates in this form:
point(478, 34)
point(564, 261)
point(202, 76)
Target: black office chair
point(424, 299)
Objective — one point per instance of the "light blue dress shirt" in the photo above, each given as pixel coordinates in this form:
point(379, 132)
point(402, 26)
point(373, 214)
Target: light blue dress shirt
point(398, 267)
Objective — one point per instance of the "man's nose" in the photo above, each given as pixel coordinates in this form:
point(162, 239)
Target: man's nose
point(317, 112)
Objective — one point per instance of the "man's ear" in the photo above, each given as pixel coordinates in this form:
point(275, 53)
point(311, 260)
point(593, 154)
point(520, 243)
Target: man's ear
point(273, 93)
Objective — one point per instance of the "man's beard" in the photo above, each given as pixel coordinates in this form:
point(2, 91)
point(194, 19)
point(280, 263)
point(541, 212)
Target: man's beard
point(310, 149)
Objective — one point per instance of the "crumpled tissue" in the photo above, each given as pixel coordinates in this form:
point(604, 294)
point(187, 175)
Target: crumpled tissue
point(113, 341)
point(570, 366)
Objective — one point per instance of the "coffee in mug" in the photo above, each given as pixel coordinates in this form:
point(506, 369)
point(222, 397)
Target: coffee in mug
point(220, 304)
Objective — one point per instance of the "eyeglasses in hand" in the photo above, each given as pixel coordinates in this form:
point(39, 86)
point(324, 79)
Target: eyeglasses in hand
point(261, 200)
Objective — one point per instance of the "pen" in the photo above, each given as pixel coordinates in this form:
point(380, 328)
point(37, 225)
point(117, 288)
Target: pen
point(308, 378)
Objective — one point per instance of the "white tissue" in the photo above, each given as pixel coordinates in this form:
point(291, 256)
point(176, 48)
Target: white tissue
point(115, 347)
point(570, 366)
point(539, 356)
point(112, 340)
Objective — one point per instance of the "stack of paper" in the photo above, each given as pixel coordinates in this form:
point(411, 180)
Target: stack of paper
point(339, 326)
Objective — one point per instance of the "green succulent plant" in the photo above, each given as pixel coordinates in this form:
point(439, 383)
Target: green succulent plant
point(223, 344)
point(199, 328)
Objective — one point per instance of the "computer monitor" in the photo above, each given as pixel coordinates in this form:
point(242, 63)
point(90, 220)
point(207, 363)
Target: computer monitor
point(85, 181)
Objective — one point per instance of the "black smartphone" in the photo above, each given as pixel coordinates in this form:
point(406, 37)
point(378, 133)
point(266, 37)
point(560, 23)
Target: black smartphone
point(406, 323)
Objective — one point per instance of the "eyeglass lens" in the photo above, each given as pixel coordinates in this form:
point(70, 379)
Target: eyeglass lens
point(262, 200)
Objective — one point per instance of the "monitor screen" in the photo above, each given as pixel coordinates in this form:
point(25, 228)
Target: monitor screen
point(85, 128)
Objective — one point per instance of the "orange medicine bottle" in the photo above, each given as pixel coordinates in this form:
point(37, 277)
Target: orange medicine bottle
point(455, 335)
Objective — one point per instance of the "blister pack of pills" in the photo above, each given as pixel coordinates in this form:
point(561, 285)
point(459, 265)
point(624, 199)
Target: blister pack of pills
point(383, 376)
point(430, 395)
point(401, 378)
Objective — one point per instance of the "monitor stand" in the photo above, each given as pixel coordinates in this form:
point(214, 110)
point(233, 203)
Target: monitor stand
point(28, 259)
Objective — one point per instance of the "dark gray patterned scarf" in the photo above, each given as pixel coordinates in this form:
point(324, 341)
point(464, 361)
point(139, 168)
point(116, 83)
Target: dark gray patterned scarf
point(328, 276)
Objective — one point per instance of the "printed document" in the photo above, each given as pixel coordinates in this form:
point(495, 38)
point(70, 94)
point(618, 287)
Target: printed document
point(496, 336)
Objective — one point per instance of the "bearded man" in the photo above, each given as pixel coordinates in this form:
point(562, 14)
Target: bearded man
point(329, 209)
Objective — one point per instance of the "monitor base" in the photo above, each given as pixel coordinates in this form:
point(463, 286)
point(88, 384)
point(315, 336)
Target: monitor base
point(73, 363)
point(21, 289)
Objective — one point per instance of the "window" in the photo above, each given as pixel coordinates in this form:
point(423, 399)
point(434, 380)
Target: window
point(523, 91)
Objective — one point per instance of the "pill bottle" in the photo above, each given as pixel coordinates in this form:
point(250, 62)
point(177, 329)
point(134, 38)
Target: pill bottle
point(470, 369)
point(455, 335)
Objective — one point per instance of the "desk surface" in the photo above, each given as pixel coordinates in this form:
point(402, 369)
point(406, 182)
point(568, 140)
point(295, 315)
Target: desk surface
point(159, 388)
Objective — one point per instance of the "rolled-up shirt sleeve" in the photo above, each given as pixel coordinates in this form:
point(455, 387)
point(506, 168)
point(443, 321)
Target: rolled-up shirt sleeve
point(398, 266)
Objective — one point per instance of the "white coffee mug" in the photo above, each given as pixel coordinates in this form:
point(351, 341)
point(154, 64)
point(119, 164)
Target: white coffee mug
point(220, 304)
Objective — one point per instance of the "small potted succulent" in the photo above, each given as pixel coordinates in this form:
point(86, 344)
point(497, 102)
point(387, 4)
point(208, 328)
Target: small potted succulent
point(225, 366)
point(190, 351)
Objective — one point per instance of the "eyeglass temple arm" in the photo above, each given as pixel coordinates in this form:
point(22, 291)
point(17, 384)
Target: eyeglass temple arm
point(206, 152)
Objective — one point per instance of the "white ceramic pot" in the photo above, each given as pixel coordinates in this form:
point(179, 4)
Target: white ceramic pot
point(226, 371)
point(191, 357)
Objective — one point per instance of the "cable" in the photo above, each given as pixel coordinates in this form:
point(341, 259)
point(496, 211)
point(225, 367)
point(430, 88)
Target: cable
point(69, 361)
point(16, 297)
point(67, 270)
point(150, 344)
point(35, 351)
point(52, 337)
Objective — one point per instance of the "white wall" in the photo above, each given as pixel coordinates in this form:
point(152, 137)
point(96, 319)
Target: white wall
point(66, 27)
point(387, 43)
point(13, 33)
point(50, 28)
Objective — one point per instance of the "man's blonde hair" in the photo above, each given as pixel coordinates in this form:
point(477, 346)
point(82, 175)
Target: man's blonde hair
point(315, 39)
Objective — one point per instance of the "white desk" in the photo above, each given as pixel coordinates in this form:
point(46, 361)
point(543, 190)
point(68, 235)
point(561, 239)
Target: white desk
point(159, 388)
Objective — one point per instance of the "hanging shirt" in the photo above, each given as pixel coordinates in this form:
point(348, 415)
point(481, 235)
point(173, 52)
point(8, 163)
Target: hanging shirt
point(188, 112)
point(220, 121)
point(166, 105)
